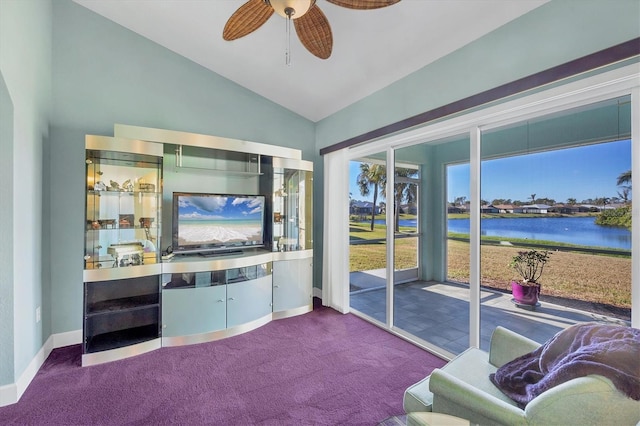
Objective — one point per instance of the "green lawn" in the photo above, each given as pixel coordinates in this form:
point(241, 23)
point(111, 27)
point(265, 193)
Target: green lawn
point(580, 276)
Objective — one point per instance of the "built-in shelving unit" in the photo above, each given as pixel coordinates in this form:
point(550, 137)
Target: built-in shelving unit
point(134, 301)
point(122, 297)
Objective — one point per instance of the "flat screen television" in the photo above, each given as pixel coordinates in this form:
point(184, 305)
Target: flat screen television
point(210, 223)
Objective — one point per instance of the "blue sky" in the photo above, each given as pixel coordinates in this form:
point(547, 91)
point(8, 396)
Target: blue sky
point(584, 172)
point(216, 207)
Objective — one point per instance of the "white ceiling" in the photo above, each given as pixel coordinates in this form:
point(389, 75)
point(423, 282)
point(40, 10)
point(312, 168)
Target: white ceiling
point(371, 48)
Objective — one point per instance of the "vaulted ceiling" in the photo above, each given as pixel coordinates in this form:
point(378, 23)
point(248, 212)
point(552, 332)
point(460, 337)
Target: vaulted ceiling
point(371, 48)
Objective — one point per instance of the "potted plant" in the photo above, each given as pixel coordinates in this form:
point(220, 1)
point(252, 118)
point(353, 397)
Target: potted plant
point(530, 265)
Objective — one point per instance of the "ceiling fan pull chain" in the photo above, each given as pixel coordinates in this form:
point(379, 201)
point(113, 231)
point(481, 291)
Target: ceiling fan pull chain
point(287, 53)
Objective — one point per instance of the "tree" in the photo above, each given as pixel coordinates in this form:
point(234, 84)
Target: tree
point(403, 191)
point(460, 200)
point(624, 193)
point(571, 201)
point(371, 175)
point(624, 177)
point(533, 198)
point(375, 176)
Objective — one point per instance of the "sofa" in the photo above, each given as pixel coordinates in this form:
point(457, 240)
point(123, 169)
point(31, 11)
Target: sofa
point(463, 388)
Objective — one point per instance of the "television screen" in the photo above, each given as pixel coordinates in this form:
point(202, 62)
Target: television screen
point(210, 222)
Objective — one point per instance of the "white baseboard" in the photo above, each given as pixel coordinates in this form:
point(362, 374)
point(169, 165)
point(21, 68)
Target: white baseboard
point(11, 393)
point(317, 292)
point(8, 394)
point(61, 340)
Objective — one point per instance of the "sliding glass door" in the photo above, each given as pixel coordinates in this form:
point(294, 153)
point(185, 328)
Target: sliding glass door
point(368, 236)
point(432, 244)
point(553, 190)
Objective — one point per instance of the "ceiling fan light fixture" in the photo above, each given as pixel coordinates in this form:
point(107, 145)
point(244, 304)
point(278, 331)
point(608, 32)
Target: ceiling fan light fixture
point(284, 7)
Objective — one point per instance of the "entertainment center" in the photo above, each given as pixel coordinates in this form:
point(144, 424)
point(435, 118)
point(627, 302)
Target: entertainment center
point(239, 254)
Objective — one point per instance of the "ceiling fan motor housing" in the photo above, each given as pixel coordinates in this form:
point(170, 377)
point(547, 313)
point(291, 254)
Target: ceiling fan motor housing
point(291, 8)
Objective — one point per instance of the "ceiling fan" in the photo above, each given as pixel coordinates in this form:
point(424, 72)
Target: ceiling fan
point(310, 23)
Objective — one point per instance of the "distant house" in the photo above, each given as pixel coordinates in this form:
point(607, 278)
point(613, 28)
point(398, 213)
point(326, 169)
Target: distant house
point(564, 209)
point(489, 209)
point(536, 208)
point(363, 207)
point(504, 208)
point(588, 208)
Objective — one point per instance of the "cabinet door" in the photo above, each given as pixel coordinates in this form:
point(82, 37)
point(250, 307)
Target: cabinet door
point(187, 311)
point(292, 284)
point(248, 301)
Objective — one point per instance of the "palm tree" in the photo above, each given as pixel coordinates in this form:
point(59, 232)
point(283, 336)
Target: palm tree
point(371, 175)
point(403, 191)
point(533, 198)
point(624, 177)
point(624, 194)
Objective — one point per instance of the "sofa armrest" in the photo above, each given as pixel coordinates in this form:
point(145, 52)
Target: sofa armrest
point(470, 399)
point(589, 400)
point(507, 345)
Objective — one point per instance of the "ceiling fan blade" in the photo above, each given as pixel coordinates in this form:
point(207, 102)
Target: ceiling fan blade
point(314, 32)
point(363, 4)
point(248, 18)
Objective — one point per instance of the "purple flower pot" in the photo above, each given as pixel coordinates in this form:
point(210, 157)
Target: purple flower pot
point(525, 294)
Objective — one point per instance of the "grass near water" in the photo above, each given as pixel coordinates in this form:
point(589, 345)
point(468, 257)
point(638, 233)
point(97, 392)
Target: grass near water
point(587, 277)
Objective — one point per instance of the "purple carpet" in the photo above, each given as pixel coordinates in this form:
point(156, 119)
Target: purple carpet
point(321, 368)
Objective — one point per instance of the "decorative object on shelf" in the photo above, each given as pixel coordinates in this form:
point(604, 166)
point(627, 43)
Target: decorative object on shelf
point(147, 187)
point(529, 265)
point(145, 223)
point(127, 185)
point(127, 254)
point(100, 186)
point(311, 24)
point(125, 221)
point(107, 223)
point(114, 186)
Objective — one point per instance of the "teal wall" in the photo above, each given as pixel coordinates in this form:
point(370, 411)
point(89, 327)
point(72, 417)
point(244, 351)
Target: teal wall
point(6, 229)
point(106, 74)
point(25, 68)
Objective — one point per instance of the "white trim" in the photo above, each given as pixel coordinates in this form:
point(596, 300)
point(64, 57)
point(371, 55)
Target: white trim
point(635, 208)
point(475, 138)
point(68, 338)
point(8, 394)
point(11, 393)
point(390, 235)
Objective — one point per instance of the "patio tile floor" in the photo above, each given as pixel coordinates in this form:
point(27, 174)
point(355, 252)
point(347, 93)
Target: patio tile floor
point(438, 313)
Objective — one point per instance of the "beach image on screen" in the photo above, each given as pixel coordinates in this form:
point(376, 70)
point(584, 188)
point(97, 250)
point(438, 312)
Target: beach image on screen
point(219, 220)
